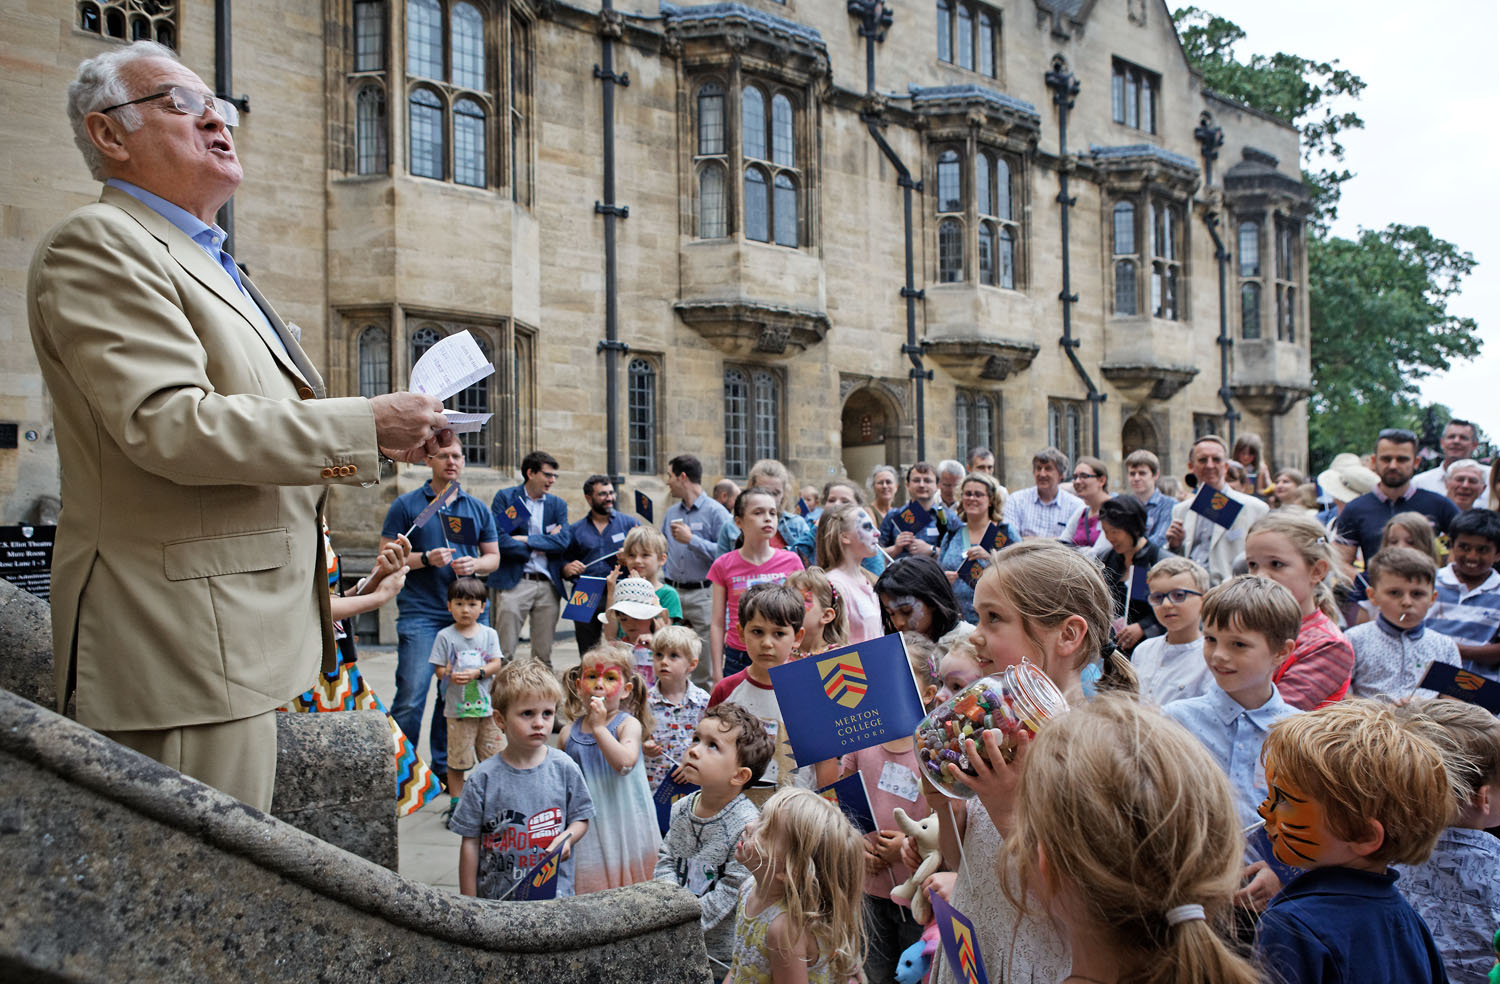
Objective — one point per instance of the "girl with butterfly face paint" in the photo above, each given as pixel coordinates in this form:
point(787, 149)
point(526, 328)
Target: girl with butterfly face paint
point(846, 537)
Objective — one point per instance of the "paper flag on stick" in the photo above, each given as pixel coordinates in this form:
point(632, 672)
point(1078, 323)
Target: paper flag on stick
point(849, 794)
point(1215, 506)
point(442, 500)
point(584, 600)
point(971, 569)
point(1471, 688)
point(960, 942)
point(669, 792)
point(912, 518)
point(514, 517)
point(643, 507)
point(541, 882)
point(847, 699)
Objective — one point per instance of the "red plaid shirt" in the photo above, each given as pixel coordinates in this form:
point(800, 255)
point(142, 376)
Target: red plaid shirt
point(1318, 671)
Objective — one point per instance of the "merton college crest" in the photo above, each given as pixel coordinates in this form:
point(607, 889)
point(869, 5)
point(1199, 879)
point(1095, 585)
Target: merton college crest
point(844, 679)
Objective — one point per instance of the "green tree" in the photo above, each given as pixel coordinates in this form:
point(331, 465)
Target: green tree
point(1380, 323)
point(1379, 302)
point(1298, 90)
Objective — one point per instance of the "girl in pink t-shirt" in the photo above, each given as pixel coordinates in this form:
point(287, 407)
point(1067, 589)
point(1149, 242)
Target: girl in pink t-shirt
point(846, 537)
point(753, 562)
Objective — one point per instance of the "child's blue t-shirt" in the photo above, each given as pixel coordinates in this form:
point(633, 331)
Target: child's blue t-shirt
point(451, 648)
point(515, 813)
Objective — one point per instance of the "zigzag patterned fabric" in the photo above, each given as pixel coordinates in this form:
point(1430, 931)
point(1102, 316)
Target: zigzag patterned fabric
point(345, 689)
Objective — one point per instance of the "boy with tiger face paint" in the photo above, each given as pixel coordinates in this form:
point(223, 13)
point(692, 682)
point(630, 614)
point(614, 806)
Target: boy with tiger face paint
point(1352, 788)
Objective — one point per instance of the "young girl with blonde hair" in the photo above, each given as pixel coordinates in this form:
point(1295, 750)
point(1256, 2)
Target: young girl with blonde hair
point(847, 537)
point(1125, 833)
point(826, 625)
point(1047, 603)
point(610, 719)
point(801, 912)
point(1292, 549)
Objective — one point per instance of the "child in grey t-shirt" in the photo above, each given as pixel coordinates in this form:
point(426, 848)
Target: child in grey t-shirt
point(516, 803)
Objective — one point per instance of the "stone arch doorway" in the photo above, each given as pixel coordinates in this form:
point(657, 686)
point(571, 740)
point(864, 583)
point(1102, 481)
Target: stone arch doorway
point(1139, 433)
point(870, 432)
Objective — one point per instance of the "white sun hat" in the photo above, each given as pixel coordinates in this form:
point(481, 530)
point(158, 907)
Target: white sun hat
point(635, 598)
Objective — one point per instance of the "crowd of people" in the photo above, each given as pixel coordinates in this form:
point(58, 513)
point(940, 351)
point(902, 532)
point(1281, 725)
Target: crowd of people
point(1250, 783)
point(1255, 632)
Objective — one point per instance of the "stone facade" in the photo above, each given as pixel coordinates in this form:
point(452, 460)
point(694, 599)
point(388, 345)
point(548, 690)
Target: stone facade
point(808, 337)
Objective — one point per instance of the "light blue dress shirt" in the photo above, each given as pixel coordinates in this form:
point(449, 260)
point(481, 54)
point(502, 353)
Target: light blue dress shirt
point(210, 238)
point(1233, 736)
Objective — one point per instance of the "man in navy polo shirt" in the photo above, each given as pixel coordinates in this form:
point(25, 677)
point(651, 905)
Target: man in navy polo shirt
point(921, 487)
point(459, 541)
point(595, 550)
point(1363, 520)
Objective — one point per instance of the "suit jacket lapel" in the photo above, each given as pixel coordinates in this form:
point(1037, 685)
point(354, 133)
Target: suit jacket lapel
point(298, 362)
point(191, 257)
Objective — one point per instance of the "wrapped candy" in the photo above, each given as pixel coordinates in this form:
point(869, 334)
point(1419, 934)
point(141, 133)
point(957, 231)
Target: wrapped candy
point(1018, 699)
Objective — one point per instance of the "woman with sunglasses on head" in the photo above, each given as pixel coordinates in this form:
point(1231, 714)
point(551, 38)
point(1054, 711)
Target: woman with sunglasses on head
point(1091, 484)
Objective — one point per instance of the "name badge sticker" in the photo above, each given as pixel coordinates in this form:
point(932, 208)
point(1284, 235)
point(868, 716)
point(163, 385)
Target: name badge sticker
point(618, 537)
point(898, 780)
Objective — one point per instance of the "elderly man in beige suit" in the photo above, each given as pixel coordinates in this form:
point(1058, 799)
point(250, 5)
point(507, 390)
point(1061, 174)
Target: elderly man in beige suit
point(189, 593)
point(1215, 547)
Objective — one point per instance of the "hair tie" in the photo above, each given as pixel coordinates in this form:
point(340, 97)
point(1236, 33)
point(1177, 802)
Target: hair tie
point(1184, 913)
point(833, 596)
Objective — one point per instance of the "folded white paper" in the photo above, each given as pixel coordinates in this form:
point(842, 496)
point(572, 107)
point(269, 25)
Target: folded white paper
point(453, 364)
point(464, 423)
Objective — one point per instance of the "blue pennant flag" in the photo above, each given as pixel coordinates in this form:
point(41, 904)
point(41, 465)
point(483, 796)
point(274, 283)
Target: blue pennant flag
point(993, 538)
point(1138, 588)
point(669, 792)
point(643, 507)
point(912, 518)
point(1215, 506)
point(960, 942)
point(971, 569)
point(540, 883)
point(584, 601)
point(802, 507)
point(849, 795)
point(460, 529)
point(847, 699)
point(442, 500)
point(1471, 688)
point(514, 517)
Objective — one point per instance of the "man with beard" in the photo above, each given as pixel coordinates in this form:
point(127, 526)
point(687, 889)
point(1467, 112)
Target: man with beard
point(595, 547)
point(1361, 522)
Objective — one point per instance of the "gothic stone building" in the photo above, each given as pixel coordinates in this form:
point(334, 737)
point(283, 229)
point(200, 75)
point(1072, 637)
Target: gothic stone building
point(421, 167)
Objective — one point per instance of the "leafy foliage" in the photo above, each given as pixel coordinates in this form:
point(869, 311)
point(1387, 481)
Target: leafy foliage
point(1292, 88)
point(1380, 323)
point(1379, 302)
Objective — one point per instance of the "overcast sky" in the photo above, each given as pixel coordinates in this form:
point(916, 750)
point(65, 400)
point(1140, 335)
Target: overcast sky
point(1429, 149)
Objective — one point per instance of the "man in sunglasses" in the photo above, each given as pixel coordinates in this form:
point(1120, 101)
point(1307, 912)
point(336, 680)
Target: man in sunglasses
point(189, 593)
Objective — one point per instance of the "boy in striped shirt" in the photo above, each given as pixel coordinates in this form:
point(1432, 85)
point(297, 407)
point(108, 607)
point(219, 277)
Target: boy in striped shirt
point(1468, 592)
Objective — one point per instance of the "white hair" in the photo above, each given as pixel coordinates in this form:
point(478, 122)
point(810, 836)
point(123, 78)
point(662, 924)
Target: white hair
point(1465, 463)
point(950, 467)
point(99, 83)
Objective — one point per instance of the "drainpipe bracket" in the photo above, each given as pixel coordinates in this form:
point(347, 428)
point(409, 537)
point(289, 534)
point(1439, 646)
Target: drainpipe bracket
point(620, 78)
point(920, 348)
point(1067, 200)
point(612, 345)
point(1069, 298)
point(919, 374)
point(241, 103)
point(905, 181)
point(915, 293)
point(618, 211)
point(1225, 342)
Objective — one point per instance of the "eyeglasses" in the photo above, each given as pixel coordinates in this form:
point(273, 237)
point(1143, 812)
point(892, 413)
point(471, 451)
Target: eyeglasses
point(189, 103)
point(1178, 596)
point(1078, 476)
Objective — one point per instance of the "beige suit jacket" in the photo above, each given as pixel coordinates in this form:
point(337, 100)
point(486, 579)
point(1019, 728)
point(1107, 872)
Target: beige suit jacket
point(1225, 546)
point(188, 579)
